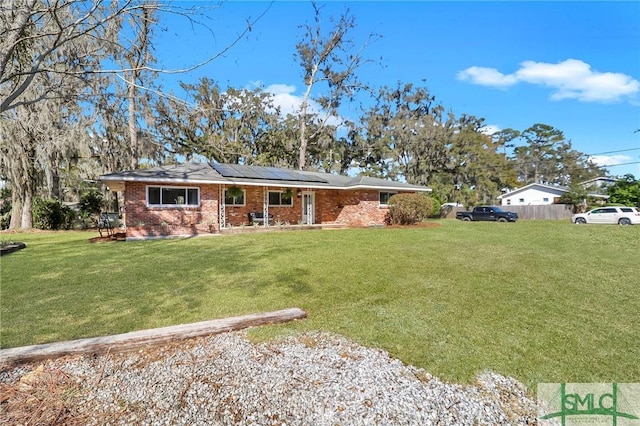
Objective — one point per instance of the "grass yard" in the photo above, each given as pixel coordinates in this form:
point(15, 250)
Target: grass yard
point(543, 301)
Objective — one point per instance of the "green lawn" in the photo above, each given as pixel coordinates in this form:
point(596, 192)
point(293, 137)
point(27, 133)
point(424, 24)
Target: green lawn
point(542, 301)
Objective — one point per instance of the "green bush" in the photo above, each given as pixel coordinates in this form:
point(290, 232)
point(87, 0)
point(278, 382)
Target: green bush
point(625, 191)
point(408, 209)
point(52, 214)
point(91, 204)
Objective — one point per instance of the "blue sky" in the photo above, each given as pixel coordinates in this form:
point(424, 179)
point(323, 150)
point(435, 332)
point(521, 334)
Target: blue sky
point(572, 65)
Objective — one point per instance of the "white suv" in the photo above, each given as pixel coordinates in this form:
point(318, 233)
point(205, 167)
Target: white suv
point(610, 215)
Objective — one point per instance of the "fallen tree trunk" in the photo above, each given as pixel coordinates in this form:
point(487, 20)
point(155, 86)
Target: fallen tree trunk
point(136, 339)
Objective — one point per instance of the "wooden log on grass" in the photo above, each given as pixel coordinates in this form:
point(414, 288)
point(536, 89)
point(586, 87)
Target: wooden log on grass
point(136, 339)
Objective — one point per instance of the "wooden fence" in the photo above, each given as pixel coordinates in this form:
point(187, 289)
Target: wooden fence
point(547, 212)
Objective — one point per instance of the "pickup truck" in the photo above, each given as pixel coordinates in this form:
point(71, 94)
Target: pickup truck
point(487, 213)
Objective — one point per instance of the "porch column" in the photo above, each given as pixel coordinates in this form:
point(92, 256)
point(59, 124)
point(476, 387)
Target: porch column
point(222, 216)
point(265, 206)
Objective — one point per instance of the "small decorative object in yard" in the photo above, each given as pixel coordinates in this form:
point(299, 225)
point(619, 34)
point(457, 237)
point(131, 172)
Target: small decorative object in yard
point(7, 247)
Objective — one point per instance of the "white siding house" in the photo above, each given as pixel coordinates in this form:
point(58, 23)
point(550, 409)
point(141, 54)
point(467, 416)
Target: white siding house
point(538, 194)
point(532, 194)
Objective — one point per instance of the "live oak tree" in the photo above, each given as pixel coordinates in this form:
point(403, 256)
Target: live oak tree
point(278, 144)
point(54, 45)
point(41, 147)
point(228, 126)
point(69, 40)
point(236, 126)
point(477, 170)
point(108, 135)
point(406, 133)
point(50, 53)
point(54, 51)
point(42, 82)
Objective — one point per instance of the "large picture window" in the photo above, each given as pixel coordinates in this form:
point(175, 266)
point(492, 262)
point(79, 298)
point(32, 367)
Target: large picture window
point(172, 196)
point(279, 198)
point(384, 197)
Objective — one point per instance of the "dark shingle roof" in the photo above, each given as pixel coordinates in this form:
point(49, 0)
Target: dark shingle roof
point(216, 173)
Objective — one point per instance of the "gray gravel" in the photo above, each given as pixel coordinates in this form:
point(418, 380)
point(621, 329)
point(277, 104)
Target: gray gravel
point(312, 379)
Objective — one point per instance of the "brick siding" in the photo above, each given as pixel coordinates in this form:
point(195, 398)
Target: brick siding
point(144, 221)
point(354, 208)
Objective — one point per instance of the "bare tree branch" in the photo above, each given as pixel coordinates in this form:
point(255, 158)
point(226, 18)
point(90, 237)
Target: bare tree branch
point(47, 32)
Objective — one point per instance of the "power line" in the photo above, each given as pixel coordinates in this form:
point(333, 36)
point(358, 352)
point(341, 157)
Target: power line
point(613, 152)
point(621, 164)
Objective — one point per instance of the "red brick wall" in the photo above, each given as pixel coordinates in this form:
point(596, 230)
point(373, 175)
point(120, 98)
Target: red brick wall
point(254, 196)
point(352, 208)
point(142, 221)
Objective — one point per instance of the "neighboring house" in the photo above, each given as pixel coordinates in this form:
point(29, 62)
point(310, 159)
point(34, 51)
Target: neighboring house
point(191, 199)
point(536, 194)
point(532, 194)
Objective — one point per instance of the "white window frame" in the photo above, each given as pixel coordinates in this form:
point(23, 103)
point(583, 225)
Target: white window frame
point(391, 194)
point(175, 206)
point(278, 205)
point(244, 199)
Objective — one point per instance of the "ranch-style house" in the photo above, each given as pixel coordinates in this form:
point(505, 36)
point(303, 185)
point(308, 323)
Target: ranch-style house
point(204, 198)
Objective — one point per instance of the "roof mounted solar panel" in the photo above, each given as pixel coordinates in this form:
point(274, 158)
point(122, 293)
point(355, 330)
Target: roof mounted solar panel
point(225, 170)
point(264, 173)
point(279, 174)
point(247, 172)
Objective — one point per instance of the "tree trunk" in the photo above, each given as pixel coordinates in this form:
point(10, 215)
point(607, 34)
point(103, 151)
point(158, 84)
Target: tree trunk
point(52, 173)
point(27, 207)
point(302, 159)
point(133, 132)
point(16, 209)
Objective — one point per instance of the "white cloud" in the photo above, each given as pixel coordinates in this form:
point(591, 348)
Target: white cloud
point(487, 77)
point(490, 129)
point(570, 79)
point(278, 89)
point(283, 97)
point(289, 103)
point(610, 160)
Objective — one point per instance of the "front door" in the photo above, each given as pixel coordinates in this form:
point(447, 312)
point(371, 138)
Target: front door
point(308, 208)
